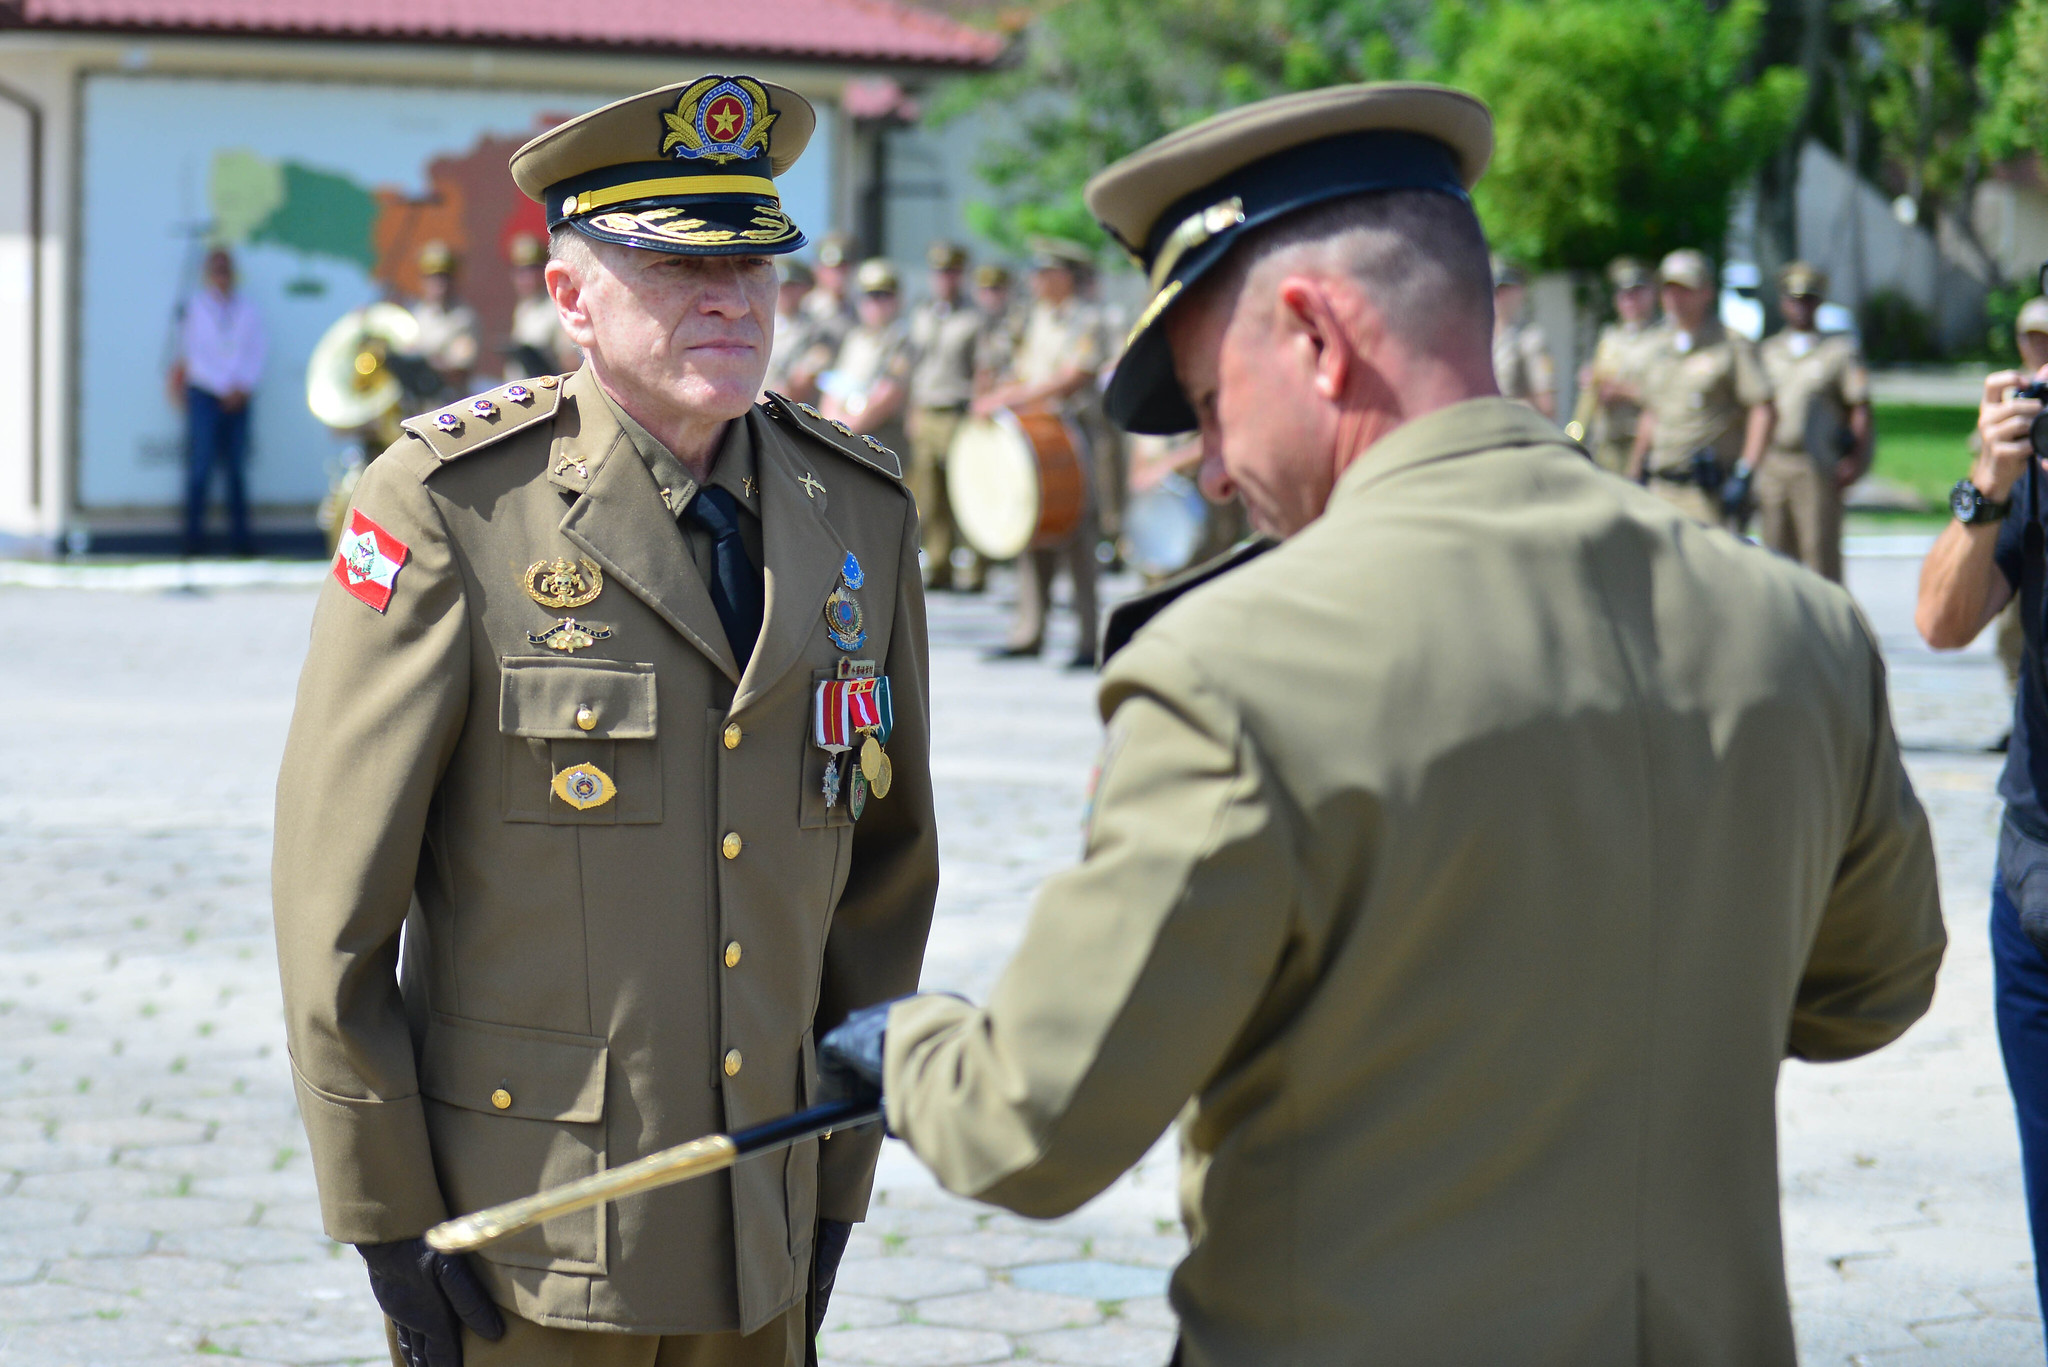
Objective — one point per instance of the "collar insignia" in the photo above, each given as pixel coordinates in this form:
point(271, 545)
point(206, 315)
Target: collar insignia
point(719, 119)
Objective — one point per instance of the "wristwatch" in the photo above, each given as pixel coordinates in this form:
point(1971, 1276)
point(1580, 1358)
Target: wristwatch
point(1970, 506)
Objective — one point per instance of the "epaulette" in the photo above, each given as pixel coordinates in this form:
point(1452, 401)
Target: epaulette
point(478, 421)
point(1127, 617)
point(837, 435)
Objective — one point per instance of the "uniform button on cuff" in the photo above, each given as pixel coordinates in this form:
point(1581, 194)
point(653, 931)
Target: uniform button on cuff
point(502, 1099)
point(732, 1063)
point(732, 955)
point(731, 845)
point(586, 718)
point(732, 735)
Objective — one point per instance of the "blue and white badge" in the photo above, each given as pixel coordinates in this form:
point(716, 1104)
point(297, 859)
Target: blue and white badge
point(851, 572)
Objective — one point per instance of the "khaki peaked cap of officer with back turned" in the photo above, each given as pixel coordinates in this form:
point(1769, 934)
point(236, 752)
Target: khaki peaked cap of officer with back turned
point(1461, 870)
point(597, 735)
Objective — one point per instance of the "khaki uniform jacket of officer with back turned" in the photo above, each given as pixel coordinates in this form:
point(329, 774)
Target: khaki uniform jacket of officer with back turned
point(584, 986)
point(1460, 872)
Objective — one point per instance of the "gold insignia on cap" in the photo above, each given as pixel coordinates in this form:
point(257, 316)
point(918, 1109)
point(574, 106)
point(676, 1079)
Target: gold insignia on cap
point(720, 119)
point(1192, 232)
point(560, 583)
point(584, 786)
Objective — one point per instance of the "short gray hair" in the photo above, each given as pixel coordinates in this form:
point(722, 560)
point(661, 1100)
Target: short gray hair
point(1420, 255)
point(566, 244)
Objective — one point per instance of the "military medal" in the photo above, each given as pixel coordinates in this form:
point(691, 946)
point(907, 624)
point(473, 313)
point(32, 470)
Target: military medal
point(584, 786)
point(857, 794)
point(560, 583)
point(569, 635)
point(855, 712)
point(842, 611)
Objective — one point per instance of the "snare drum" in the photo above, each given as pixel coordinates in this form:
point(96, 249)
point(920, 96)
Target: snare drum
point(1016, 482)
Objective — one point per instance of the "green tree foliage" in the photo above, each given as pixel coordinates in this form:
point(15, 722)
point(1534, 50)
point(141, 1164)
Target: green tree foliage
point(1623, 125)
point(2013, 76)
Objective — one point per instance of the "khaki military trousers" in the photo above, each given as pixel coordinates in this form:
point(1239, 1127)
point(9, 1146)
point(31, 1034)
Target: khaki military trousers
point(931, 436)
point(1035, 572)
point(526, 1344)
point(1800, 511)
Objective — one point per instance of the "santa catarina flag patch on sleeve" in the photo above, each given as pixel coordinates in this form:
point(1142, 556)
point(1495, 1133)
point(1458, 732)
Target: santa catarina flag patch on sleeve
point(368, 559)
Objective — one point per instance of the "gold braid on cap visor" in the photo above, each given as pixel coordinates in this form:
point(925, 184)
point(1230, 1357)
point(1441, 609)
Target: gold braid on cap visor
point(671, 224)
point(671, 185)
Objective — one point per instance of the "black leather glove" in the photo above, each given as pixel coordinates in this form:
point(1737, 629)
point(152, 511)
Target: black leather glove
point(826, 1252)
point(429, 1296)
point(1735, 493)
point(850, 1056)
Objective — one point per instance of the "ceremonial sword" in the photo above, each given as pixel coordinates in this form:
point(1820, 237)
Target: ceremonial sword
point(712, 1153)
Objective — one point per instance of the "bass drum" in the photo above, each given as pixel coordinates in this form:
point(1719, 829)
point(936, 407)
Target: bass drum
point(1164, 526)
point(1016, 482)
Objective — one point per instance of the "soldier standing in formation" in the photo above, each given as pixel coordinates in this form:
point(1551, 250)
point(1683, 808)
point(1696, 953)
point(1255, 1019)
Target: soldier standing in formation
point(1611, 391)
point(1707, 411)
point(1001, 323)
point(650, 811)
point(793, 330)
point(1061, 347)
point(1820, 441)
point(1521, 354)
point(869, 378)
point(539, 346)
point(449, 338)
point(1463, 1076)
point(945, 333)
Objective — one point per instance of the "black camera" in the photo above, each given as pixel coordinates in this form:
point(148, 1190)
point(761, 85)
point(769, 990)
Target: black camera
point(2037, 431)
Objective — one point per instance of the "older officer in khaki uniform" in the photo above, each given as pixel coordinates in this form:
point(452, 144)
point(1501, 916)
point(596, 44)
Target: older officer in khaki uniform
point(648, 817)
point(1611, 390)
point(945, 339)
point(1460, 871)
point(1707, 411)
point(1820, 443)
point(1059, 348)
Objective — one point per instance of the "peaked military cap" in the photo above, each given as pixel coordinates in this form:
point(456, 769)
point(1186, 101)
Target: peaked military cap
point(1627, 273)
point(1686, 267)
point(1179, 205)
point(942, 255)
point(2033, 316)
point(877, 276)
point(688, 168)
point(1799, 280)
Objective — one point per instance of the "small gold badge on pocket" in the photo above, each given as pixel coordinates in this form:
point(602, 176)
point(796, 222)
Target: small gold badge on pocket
point(584, 786)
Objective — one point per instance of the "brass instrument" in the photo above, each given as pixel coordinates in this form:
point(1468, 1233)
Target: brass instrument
point(362, 379)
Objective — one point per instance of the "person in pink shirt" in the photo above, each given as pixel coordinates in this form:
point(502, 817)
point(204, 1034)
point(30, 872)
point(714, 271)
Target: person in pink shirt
point(220, 359)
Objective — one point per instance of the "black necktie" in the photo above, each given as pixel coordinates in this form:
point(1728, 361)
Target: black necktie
point(735, 583)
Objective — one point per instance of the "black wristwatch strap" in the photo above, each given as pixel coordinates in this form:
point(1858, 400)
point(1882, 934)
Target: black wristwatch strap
point(1970, 506)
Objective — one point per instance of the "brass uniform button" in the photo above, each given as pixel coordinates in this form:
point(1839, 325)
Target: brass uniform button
point(502, 1099)
point(732, 1063)
point(586, 718)
point(731, 845)
point(732, 735)
point(732, 955)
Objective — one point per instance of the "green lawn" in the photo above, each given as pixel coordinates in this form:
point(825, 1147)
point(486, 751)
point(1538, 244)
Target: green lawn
point(1924, 448)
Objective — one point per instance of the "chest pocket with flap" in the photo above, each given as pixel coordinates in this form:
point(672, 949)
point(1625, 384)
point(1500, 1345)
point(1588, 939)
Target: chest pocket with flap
point(558, 714)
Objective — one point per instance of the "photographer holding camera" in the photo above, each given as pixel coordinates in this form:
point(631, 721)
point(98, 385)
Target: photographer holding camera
point(1996, 548)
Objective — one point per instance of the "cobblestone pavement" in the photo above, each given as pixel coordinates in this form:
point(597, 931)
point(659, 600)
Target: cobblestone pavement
point(156, 1204)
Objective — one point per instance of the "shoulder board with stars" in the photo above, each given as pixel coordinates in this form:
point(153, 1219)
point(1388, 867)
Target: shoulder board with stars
point(482, 419)
point(838, 436)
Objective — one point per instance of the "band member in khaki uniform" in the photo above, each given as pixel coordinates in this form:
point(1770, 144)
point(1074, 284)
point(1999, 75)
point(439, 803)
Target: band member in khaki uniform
point(793, 332)
point(1611, 390)
point(866, 387)
point(449, 332)
point(1708, 406)
point(565, 721)
point(1060, 348)
point(1521, 354)
point(1001, 324)
point(538, 345)
point(1462, 870)
point(945, 336)
point(1820, 444)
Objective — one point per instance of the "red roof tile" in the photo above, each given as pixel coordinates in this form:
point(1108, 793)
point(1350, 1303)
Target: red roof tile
point(883, 31)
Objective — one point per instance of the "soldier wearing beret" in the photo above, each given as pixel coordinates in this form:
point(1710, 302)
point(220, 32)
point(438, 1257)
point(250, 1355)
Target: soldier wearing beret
point(615, 705)
point(945, 336)
point(1462, 869)
point(1611, 390)
point(1820, 443)
point(1707, 414)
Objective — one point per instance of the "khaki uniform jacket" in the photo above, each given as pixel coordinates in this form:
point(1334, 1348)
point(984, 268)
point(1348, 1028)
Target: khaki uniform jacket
point(575, 979)
point(1623, 353)
point(1521, 363)
point(944, 339)
point(1701, 395)
point(1460, 871)
point(1815, 381)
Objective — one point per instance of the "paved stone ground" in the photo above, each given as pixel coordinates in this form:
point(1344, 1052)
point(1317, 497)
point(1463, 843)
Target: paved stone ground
point(156, 1204)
